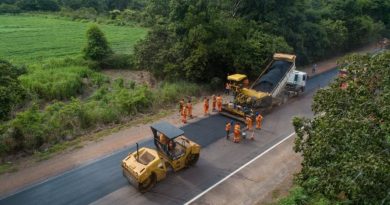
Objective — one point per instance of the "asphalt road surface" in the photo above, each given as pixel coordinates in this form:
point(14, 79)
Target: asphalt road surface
point(101, 182)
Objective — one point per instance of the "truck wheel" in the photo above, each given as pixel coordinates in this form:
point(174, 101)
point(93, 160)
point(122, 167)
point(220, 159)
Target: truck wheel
point(147, 184)
point(192, 159)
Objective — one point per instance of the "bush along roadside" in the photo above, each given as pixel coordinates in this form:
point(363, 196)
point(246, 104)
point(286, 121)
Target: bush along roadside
point(38, 129)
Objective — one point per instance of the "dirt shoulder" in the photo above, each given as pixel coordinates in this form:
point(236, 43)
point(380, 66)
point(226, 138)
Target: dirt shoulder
point(31, 171)
point(259, 182)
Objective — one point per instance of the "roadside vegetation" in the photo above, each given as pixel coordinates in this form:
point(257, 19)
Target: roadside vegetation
point(39, 126)
point(346, 147)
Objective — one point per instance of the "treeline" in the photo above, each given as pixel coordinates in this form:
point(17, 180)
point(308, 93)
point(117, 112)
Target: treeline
point(15, 6)
point(346, 147)
point(202, 41)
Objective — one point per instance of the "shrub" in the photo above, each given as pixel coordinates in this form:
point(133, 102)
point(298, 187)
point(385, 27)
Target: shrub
point(118, 61)
point(11, 93)
point(97, 112)
point(132, 101)
point(172, 92)
point(97, 47)
point(9, 8)
point(27, 129)
point(297, 196)
point(59, 83)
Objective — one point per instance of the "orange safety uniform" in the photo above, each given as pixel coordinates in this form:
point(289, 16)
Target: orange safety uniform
point(227, 129)
point(219, 103)
point(163, 139)
point(249, 123)
point(181, 105)
point(206, 106)
point(184, 114)
point(214, 102)
point(189, 109)
point(237, 133)
point(259, 120)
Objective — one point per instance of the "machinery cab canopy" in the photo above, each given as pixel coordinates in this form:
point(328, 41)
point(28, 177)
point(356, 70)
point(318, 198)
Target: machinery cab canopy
point(168, 130)
point(237, 77)
point(164, 139)
point(238, 81)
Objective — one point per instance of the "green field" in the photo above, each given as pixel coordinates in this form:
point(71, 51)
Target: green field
point(29, 39)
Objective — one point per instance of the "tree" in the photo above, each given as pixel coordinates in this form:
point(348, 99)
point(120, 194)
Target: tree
point(336, 32)
point(346, 147)
point(11, 92)
point(97, 47)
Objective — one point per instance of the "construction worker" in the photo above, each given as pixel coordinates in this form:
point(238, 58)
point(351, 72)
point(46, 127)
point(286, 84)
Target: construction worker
point(214, 102)
point(227, 129)
point(206, 106)
point(189, 108)
point(227, 88)
point(181, 105)
point(237, 133)
point(219, 103)
point(259, 120)
point(184, 115)
point(246, 83)
point(249, 123)
point(163, 139)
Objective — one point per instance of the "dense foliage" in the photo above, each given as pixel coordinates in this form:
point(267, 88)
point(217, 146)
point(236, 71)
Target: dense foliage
point(201, 42)
point(198, 40)
point(346, 147)
point(11, 92)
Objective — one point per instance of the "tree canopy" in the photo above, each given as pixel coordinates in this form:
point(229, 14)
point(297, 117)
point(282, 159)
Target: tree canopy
point(198, 40)
point(346, 147)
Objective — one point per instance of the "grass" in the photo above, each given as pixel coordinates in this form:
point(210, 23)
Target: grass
point(59, 83)
point(32, 38)
point(78, 142)
point(7, 168)
point(58, 148)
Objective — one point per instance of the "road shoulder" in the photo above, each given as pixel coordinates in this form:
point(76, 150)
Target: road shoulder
point(259, 182)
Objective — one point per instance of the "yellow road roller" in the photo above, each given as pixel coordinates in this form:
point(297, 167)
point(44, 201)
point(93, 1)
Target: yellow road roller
point(173, 151)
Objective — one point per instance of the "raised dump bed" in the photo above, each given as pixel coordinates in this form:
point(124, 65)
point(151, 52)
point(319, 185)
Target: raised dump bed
point(276, 72)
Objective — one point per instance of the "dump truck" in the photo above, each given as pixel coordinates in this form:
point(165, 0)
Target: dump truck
point(173, 152)
point(274, 86)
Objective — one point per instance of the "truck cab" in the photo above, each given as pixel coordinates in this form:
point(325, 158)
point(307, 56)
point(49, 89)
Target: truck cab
point(296, 81)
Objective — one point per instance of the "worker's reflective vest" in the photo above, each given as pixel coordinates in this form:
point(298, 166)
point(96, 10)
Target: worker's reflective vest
point(219, 100)
point(237, 129)
point(228, 127)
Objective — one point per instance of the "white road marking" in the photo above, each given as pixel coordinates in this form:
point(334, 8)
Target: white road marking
point(239, 169)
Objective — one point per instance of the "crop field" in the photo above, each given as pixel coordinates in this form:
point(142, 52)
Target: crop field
point(29, 39)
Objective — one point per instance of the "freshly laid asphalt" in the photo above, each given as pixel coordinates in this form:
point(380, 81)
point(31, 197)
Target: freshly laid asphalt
point(101, 182)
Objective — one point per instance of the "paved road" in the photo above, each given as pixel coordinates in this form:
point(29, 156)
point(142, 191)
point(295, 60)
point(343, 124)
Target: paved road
point(102, 182)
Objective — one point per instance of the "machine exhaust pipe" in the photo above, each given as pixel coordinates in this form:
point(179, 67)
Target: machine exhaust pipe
point(137, 152)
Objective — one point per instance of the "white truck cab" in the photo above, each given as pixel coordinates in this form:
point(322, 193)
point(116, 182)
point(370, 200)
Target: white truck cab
point(297, 81)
